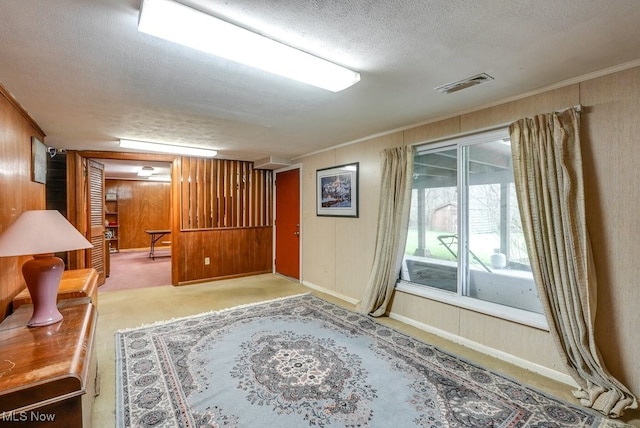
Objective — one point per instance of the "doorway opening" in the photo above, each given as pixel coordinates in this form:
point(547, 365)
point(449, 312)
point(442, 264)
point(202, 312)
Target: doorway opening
point(138, 223)
point(118, 212)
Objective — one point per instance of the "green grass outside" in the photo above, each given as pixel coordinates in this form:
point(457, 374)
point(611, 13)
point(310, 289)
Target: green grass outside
point(482, 245)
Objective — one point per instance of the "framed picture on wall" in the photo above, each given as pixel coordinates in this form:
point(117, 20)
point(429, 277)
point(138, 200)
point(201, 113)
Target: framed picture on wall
point(337, 191)
point(38, 161)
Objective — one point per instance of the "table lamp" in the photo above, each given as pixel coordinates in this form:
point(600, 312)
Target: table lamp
point(42, 233)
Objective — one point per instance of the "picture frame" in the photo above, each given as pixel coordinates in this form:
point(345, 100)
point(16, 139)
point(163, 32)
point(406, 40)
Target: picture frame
point(337, 191)
point(38, 161)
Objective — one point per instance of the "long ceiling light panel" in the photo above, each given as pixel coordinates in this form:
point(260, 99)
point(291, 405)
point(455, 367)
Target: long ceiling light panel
point(167, 148)
point(189, 27)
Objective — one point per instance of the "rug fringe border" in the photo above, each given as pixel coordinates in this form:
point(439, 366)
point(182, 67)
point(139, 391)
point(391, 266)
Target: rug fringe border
point(201, 314)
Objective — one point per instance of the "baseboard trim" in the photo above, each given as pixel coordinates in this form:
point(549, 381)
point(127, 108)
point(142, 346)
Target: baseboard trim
point(220, 278)
point(330, 292)
point(492, 352)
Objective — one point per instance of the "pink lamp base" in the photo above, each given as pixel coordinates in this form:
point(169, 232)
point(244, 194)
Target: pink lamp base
point(42, 275)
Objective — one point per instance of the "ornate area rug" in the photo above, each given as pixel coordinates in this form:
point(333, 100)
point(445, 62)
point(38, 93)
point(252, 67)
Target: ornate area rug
point(304, 362)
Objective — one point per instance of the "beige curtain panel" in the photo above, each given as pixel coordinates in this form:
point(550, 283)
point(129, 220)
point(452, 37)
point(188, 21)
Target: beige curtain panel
point(393, 218)
point(549, 185)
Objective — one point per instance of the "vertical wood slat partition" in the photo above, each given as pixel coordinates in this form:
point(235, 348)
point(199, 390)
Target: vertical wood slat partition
point(220, 193)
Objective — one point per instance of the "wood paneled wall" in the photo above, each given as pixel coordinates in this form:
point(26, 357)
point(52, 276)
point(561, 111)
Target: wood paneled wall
point(142, 205)
point(221, 209)
point(225, 214)
point(17, 192)
point(231, 253)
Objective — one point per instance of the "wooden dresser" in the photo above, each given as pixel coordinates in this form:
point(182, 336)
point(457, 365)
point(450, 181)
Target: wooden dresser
point(48, 374)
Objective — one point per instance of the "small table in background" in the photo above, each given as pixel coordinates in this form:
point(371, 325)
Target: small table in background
point(155, 236)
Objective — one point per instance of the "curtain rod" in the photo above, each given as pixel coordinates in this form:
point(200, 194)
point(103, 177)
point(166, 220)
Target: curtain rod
point(577, 107)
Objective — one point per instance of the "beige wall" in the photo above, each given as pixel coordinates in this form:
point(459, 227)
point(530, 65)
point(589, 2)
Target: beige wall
point(338, 252)
point(612, 181)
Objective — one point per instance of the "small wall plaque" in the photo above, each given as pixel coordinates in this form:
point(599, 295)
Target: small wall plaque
point(38, 161)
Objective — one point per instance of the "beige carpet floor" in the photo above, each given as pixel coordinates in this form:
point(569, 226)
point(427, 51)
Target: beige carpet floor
point(134, 307)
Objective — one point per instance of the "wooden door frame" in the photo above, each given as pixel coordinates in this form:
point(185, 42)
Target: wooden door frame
point(297, 166)
point(77, 206)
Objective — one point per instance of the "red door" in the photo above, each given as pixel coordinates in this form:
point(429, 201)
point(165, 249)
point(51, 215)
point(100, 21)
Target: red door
point(288, 223)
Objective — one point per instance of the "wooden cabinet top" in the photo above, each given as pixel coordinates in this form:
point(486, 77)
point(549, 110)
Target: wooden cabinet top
point(73, 284)
point(45, 363)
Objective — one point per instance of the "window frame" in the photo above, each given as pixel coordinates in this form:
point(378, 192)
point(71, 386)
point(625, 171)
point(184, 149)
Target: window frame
point(462, 143)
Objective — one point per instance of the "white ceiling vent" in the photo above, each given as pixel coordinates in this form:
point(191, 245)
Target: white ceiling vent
point(271, 163)
point(464, 83)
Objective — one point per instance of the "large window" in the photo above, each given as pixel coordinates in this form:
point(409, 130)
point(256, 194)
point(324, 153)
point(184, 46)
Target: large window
point(465, 243)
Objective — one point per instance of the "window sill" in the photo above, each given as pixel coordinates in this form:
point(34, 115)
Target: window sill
point(519, 316)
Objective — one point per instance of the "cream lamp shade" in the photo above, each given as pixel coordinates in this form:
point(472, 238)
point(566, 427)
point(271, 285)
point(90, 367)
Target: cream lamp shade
point(41, 233)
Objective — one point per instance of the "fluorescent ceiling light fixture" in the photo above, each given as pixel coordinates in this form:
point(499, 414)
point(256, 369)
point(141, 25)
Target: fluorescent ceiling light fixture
point(167, 148)
point(189, 27)
point(145, 171)
point(166, 178)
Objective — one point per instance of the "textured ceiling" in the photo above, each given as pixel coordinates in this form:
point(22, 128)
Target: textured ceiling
point(88, 77)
